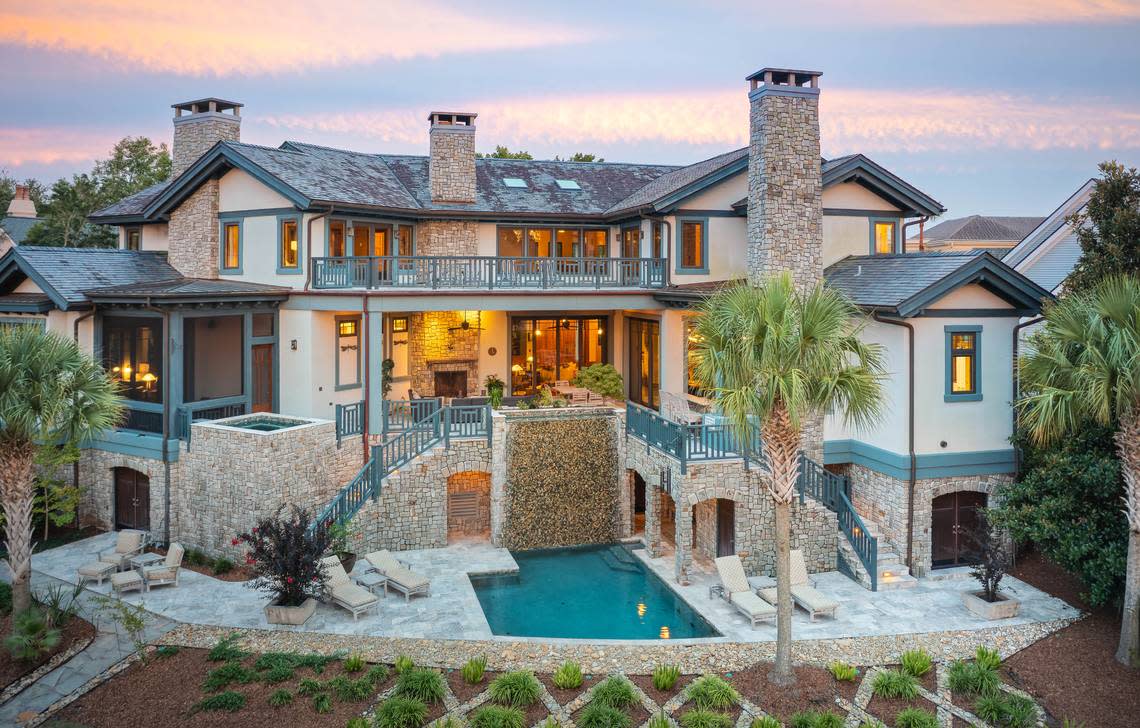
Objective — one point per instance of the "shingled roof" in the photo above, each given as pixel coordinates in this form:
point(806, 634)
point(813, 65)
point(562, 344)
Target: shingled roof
point(181, 288)
point(64, 274)
point(980, 228)
point(17, 227)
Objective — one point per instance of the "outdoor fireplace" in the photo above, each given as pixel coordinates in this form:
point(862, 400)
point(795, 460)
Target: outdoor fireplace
point(451, 384)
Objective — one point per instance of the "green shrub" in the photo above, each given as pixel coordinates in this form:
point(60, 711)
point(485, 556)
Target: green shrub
point(59, 603)
point(842, 671)
point(228, 674)
point(32, 635)
point(568, 676)
point(497, 716)
point(357, 721)
point(165, 651)
point(665, 677)
point(661, 721)
point(278, 674)
point(226, 650)
point(603, 379)
point(350, 691)
point(400, 713)
point(987, 657)
point(916, 662)
point(990, 708)
point(322, 703)
point(314, 662)
point(403, 662)
point(895, 684)
point(596, 715)
point(915, 718)
point(614, 691)
point(1070, 723)
point(711, 692)
point(815, 719)
point(705, 719)
point(354, 663)
point(280, 698)
point(221, 565)
point(228, 701)
point(473, 670)
point(421, 684)
point(765, 722)
point(1020, 712)
point(519, 688)
point(377, 674)
point(972, 678)
point(447, 722)
point(309, 686)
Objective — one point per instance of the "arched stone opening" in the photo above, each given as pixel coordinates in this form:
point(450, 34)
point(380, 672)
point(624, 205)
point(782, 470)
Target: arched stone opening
point(469, 506)
point(131, 499)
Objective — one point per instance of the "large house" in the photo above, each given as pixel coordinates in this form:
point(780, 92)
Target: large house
point(330, 290)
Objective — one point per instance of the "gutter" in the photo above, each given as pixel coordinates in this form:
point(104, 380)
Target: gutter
point(1016, 380)
point(309, 244)
point(910, 433)
point(367, 339)
point(168, 365)
point(921, 222)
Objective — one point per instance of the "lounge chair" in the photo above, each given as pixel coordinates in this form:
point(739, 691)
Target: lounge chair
point(167, 571)
point(738, 592)
point(400, 577)
point(128, 544)
point(343, 592)
point(676, 407)
point(803, 593)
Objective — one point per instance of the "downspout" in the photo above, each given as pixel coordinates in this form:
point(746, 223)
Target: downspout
point(168, 335)
point(910, 434)
point(921, 222)
point(1016, 381)
point(309, 244)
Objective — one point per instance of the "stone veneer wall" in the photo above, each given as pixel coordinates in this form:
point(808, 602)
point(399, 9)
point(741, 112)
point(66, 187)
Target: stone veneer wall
point(447, 237)
point(193, 233)
point(451, 166)
point(194, 135)
point(470, 482)
point(882, 499)
point(97, 483)
point(433, 348)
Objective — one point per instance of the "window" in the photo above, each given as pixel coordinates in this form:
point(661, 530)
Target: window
point(963, 363)
point(657, 235)
point(539, 242)
point(567, 184)
point(406, 241)
point(511, 242)
point(288, 256)
point(597, 244)
point(347, 352)
point(567, 243)
point(514, 182)
point(132, 238)
point(536, 242)
point(631, 242)
point(692, 358)
point(644, 362)
point(263, 324)
point(13, 322)
point(132, 353)
point(883, 237)
point(336, 238)
point(231, 247)
point(547, 350)
point(692, 244)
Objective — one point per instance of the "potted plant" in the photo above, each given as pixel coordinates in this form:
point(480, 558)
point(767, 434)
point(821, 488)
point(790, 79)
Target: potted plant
point(286, 563)
point(989, 602)
point(341, 534)
point(602, 379)
point(495, 387)
point(387, 366)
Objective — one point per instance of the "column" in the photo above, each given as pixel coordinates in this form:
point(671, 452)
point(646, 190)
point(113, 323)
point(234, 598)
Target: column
point(653, 517)
point(374, 340)
point(683, 539)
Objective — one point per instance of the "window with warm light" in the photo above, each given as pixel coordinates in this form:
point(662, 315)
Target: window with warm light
point(347, 353)
point(336, 238)
point(884, 237)
point(231, 246)
point(289, 258)
point(132, 238)
point(692, 246)
point(132, 353)
point(549, 350)
point(962, 363)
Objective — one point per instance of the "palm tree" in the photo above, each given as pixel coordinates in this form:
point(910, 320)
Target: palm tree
point(774, 357)
point(50, 392)
point(1085, 365)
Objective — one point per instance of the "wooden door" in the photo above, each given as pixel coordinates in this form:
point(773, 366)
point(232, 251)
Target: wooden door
point(954, 517)
point(262, 378)
point(132, 499)
point(725, 527)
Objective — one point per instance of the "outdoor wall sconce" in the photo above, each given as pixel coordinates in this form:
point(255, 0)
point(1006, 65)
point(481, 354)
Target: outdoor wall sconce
point(293, 344)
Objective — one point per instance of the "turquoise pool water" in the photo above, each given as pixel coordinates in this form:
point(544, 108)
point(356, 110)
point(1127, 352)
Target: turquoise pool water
point(267, 424)
point(599, 592)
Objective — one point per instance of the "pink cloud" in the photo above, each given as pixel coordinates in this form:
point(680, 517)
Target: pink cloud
point(20, 147)
point(939, 12)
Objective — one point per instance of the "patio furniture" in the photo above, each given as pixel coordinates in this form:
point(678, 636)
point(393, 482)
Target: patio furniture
point(373, 581)
point(143, 560)
point(127, 580)
point(128, 544)
point(803, 593)
point(738, 592)
point(98, 570)
point(513, 401)
point(676, 407)
point(400, 577)
point(167, 571)
point(343, 592)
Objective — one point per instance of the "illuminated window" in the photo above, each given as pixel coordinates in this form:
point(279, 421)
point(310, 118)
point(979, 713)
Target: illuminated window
point(231, 246)
point(692, 358)
point(336, 238)
point(884, 238)
point(596, 243)
point(657, 233)
point(347, 353)
point(290, 246)
point(693, 239)
point(133, 238)
point(405, 240)
point(962, 363)
point(347, 328)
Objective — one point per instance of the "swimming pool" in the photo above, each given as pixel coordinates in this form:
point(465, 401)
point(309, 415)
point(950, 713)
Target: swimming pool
point(599, 592)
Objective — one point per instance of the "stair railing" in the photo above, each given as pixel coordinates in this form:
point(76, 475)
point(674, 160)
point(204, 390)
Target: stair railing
point(348, 501)
point(831, 490)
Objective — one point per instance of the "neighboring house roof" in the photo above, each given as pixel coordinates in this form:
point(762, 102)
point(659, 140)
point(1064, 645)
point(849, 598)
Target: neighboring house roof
point(1051, 250)
point(184, 288)
point(18, 227)
point(131, 206)
point(63, 274)
point(979, 229)
point(906, 284)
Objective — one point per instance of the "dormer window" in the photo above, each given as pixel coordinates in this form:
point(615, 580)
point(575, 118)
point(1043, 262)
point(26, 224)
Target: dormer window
point(567, 184)
point(514, 182)
point(884, 237)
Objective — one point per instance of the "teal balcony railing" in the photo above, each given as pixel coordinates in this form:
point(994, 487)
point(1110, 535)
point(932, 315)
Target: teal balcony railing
point(687, 443)
point(216, 409)
point(348, 501)
point(349, 420)
point(487, 272)
point(834, 492)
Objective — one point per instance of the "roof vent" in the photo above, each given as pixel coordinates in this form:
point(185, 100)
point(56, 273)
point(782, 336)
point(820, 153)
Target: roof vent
point(514, 182)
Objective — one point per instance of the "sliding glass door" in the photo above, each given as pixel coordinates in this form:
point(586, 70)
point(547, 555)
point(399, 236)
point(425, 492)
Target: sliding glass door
point(644, 371)
point(548, 350)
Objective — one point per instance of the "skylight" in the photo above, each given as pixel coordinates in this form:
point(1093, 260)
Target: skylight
point(514, 182)
point(568, 184)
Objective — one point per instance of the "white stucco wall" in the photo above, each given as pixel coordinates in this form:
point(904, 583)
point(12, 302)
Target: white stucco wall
point(854, 196)
point(154, 236)
point(237, 190)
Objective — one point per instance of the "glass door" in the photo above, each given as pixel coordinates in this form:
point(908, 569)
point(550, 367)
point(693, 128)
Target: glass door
point(644, 367)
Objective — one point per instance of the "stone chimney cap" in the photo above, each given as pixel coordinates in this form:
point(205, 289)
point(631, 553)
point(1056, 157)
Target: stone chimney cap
point(21, 204)
point(208, 104)
point(785, 77)
point(452, 118)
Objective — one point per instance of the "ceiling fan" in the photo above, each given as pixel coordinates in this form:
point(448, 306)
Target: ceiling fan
point(466, 325)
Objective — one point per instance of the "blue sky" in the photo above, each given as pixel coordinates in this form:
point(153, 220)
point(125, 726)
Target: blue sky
point(991, 107)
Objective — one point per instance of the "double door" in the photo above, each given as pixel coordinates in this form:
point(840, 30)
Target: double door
point(954, 520)
point(132, 499)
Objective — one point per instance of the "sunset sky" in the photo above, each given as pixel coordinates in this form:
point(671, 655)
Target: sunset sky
point(991, 106)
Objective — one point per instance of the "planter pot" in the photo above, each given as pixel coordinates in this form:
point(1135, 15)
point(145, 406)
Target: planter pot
point(1004, 608)
point(347, 560)
point(277, 614)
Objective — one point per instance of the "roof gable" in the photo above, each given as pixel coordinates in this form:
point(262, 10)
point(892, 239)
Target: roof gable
point(64, 274)
point(861, 169)
point(1050, 226)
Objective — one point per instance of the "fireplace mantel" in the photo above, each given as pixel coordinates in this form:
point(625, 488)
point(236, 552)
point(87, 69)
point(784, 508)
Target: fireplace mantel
point(449, 362)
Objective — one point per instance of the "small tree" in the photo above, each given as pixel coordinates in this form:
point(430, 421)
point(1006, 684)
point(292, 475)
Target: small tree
point(57, 500)
point(601, 379)
point(502, 152)
point(993, 558)
point(286, 558)
point(1108, 229)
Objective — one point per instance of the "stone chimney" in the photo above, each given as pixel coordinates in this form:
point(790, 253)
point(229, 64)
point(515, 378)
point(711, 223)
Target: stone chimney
point(193, 229)
point(22, 205)
point(199, 125)
point(452, 166)
point(785, 207)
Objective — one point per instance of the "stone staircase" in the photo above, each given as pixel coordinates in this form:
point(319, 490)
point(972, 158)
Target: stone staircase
point(893, 573)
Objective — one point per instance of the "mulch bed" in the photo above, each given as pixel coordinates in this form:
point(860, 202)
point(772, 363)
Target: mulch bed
point(848, 688)
point(814, 689)
point(1073, 673)
point(168, 688)
point(885, 709)
point(464, 692)
point(564, 697)
point(534, 713)
point(11, 670)
point(238, 573)
point(645, 682)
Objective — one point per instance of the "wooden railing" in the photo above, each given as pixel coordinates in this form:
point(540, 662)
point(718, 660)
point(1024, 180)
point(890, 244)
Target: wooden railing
point(487, 272)
point(833, 491)
point(187, 414)
point(400, 414)
point(349, 420)
point(364, 486)
point(687, 443)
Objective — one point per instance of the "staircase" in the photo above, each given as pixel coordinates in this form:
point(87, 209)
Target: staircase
point(892, 573)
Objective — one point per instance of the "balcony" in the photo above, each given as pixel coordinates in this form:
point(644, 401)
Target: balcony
point(487, 273)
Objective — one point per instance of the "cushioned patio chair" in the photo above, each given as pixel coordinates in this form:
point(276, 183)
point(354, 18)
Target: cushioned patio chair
point(399, 576)
point(167, 571)
point(128, 544)
point(343, 592)
point(676, 407)
point(803, 593)
point(738, 592)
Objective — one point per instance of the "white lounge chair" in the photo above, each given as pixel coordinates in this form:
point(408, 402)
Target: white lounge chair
point(167, 571)
point(128, 544)
point(399, 576)
point(738, 592)
point(343, 592)
point(676, 407)
point(803, 593)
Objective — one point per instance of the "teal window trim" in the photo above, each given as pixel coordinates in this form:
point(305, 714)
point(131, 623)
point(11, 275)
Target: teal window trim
point(554, 228)
point(282, 269)
point(976, 369)
point(872, 221)
point(222, 224)
point(337, 386)
point(680, 242)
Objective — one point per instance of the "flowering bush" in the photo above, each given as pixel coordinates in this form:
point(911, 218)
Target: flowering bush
point(285, 558)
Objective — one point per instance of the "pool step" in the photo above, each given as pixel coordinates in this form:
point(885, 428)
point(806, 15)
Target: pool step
point(624, 562)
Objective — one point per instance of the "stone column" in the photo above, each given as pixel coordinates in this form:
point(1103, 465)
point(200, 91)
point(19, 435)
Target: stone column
point(374, 340)
point(683, 541)
point(498, 477)
point(652, 518)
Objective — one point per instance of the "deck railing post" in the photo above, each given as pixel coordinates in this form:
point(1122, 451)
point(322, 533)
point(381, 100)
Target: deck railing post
point(447, 428)
point(487, 422)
